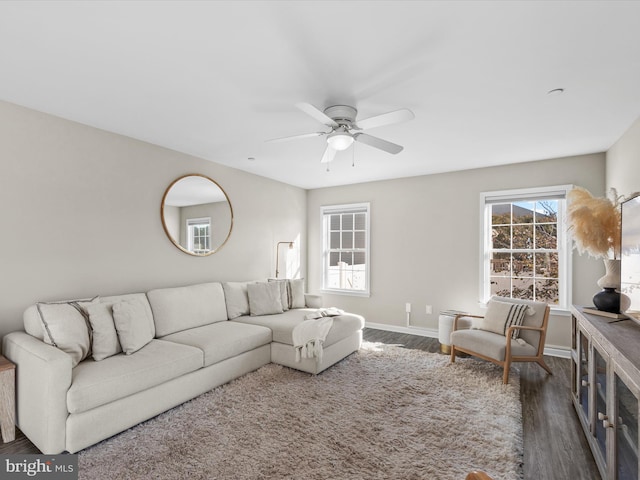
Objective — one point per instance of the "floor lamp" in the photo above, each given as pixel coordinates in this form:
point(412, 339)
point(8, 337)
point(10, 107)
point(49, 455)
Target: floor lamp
point(278, 253)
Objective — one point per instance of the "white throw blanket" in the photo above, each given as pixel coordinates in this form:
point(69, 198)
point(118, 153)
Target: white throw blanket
point(324, 312)
point(309, 336)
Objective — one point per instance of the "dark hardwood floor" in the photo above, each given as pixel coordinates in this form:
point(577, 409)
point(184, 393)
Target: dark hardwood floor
point(554, 445)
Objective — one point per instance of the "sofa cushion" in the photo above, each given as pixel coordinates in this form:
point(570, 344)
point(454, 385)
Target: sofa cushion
point(296, 293)
point(98, 383)
point(105, 341)
point(181, 308)
point(126, 297)
point(222, 340)
point(282, 325)
point(264, 298)
point(236, 299)
point(134, 325)
point(284, 292)
point(490, 344)
point(65, 325)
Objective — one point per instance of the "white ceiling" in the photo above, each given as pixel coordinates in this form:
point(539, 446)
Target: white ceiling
point(216, 79)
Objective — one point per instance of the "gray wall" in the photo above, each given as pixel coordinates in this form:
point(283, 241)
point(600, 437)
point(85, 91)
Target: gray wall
point(623, 162)
point(425, 237)
point(80, 211)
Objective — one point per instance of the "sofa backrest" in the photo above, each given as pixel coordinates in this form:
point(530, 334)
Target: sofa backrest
point(181, 308)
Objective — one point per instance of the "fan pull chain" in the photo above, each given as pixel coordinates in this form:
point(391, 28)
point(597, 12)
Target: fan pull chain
point(353, 156)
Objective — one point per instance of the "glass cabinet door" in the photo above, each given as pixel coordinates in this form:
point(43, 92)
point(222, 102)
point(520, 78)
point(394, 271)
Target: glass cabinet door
point(600, 402)
point(583, 373)
point(626, 431)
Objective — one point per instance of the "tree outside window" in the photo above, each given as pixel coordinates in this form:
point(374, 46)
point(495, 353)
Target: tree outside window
point(526, 255)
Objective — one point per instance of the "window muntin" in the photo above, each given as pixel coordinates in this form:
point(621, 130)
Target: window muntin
point(346, 248)
point(525, 252)
point(199, 235)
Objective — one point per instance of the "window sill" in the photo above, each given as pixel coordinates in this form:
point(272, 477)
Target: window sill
point(555, 310)
point(348, 293)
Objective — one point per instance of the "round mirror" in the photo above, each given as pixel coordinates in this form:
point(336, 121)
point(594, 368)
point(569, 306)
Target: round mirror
point(196, 215)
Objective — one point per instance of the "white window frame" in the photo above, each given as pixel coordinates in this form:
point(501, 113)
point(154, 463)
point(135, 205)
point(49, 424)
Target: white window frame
point(557, 192)
point(327, 210)
point(197, 221)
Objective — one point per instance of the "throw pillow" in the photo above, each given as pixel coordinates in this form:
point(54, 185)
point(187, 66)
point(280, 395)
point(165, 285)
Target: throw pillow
point(297, 293)
point(134, 326)
point(236, 298)
point(105, 338)
point(66, 326)
point(264, 298)
point(284, 292)
point(502, 315)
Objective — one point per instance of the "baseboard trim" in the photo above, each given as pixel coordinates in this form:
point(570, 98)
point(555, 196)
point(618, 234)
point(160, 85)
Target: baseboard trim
point(419, 331)
point(551, 350)
point(556, 351)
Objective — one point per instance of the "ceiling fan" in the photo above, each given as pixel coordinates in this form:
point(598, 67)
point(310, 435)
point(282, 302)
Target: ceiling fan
point(341, 119)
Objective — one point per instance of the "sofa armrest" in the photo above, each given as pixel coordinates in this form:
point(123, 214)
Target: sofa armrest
point(313, 301)
point(43, 377)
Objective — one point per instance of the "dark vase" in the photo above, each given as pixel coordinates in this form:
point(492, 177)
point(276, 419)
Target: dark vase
point(608, 300)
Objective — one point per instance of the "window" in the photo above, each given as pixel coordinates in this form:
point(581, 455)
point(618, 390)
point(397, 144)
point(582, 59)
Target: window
point(199, 235)
point(525, 251)
point(345, 230)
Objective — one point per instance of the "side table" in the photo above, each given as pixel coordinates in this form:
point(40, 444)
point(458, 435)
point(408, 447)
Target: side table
point(7, 400)
point(445, 326)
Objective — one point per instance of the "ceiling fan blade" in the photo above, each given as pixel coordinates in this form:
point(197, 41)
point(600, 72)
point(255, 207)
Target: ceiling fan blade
point(317, 114)
point(397, 116)
point(329, 155)
point(378, 143)
point(295, 137)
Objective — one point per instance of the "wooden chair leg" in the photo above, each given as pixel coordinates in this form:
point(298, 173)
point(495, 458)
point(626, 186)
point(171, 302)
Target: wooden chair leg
point(453, 354)
point(545, 366)
point(507, 367)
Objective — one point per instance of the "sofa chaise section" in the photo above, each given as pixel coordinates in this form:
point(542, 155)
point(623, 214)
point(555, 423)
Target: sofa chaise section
point(344, 338)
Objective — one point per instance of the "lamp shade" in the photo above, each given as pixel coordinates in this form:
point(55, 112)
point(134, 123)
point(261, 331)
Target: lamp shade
point(340, 140)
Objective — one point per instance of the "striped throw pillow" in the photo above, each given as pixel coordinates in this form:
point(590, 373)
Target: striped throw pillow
point(502, 315)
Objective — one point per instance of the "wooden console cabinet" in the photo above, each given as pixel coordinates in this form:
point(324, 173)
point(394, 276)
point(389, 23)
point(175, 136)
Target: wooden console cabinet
point(605, 388)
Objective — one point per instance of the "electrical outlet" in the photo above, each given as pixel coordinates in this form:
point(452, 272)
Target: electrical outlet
point(408, 308)
point(429, 309)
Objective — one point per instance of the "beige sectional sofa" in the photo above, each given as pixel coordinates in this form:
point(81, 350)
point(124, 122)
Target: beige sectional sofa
point(178, 343)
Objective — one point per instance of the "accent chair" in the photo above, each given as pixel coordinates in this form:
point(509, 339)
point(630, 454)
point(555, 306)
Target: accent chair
point(512, 330)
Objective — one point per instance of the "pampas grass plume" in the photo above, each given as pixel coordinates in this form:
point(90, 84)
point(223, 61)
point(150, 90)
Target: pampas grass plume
point(594, 223)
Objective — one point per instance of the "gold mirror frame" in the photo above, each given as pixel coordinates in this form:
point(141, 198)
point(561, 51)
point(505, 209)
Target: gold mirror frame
point(167, 230)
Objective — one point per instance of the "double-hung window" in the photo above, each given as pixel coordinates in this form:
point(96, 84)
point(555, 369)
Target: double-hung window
point(199, 235)
point(525, 252)
point(345, 230)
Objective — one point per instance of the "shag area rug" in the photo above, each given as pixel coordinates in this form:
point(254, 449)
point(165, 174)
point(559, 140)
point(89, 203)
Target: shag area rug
point(385, 412)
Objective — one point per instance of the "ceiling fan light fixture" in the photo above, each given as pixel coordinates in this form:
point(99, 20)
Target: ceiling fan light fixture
point(340, 140)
